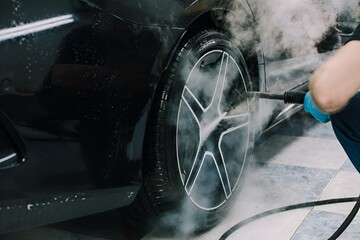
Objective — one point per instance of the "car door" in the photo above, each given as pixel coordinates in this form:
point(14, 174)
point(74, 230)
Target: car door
point(32, 112)
point(77, 82)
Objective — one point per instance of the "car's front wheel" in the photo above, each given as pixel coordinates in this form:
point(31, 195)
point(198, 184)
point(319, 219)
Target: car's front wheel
point(199, 134)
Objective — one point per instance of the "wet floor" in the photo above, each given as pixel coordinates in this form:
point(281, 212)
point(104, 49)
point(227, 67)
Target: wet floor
point(297, 161)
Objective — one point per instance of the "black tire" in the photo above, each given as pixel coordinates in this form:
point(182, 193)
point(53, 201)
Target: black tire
point(191, 176)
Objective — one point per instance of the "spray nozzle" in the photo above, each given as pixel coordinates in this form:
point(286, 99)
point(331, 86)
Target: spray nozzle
point(296, 97)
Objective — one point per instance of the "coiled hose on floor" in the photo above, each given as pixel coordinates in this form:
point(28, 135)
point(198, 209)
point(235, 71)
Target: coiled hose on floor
point(338, 232)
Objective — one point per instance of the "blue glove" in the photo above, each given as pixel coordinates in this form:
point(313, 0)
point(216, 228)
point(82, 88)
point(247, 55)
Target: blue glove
point(310, 107)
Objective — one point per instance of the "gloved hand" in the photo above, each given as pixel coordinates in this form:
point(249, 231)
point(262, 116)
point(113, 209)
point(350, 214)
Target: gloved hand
point(310, 107)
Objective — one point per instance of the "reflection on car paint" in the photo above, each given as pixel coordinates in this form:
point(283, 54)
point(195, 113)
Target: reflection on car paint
point(38, 26)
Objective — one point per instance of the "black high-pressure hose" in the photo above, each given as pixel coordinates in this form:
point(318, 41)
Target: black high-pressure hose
point(338, 232)
point(297, 98)
point(347, 221)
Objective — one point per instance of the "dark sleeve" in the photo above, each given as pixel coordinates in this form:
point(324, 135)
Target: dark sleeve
point(356, 35)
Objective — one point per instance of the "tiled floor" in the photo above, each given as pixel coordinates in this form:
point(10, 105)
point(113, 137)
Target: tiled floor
point(298, 161)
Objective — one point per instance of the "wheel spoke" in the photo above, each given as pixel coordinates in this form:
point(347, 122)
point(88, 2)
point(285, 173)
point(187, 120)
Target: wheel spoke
point(198, 161)
point(220, 82)
point(193, 103)
point(221, 168)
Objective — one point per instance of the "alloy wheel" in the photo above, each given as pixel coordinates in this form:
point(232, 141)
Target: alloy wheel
point(212, 135)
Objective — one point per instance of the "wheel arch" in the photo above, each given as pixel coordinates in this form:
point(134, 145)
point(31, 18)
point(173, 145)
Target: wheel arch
point(216, 18)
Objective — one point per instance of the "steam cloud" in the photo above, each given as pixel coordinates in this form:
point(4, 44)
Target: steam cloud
point(295, 25)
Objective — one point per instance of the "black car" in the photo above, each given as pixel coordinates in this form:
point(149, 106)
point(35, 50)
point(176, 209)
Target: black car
point(139, 105)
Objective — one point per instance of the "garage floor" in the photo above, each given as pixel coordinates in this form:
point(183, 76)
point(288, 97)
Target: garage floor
point(297, 161)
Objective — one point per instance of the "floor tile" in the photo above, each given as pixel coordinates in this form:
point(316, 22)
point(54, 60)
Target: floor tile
point(345, 184)
point(348, 166)
point(321, 225)
point(279, 184)
point(280, 226)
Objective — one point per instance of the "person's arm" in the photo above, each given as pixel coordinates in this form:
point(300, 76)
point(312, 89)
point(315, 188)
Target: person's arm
point(338, 79)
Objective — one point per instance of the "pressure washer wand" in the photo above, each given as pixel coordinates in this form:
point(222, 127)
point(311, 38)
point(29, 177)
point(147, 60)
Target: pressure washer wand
point(296, 97)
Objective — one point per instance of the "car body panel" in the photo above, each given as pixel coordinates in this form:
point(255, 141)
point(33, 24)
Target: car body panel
point(76, 84)
point(53, 73)
point(23, 213)
point(178, 13)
